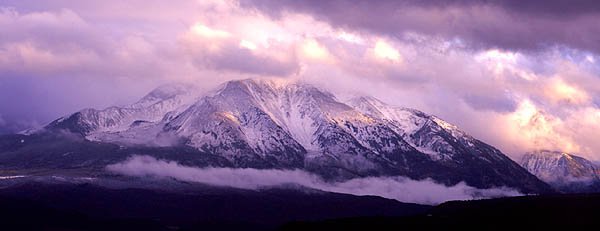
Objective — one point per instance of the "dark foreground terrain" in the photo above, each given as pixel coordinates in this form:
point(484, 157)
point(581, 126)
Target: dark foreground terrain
point(84, 206)
point(67, 206)
point(550, 212)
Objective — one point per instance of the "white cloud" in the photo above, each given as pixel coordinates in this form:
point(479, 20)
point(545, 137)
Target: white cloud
point(398, 188)
point(559, 91)
point(204, 31)
point(248, 45)
point(313, 50)
point(384, 50)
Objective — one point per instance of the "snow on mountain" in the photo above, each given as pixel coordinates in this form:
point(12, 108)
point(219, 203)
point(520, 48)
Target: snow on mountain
point(559, 168)
point(429, 134)
point(280, 124)
point(273, 120)
point(233, 123)
point(176, 94)
point(123, 124)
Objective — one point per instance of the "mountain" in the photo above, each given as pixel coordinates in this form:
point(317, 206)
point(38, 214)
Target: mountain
point(277, 124)
point(564, 171)
point(108, 124)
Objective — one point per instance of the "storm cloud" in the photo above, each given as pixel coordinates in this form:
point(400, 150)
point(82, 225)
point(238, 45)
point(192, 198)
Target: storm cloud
point(508, 24)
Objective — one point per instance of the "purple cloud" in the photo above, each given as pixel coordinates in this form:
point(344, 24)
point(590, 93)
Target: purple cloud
point(527, 25)
point(230, 56)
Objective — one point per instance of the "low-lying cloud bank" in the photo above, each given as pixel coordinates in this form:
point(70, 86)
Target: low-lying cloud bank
point(398, 188)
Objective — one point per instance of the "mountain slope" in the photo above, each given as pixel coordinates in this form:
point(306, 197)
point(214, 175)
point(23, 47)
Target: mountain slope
point(155, 106)
point(446, 144)
point(564, 171)
point(274, 124)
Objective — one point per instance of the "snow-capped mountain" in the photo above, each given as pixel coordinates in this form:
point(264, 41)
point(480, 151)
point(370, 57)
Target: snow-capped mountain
point(276, 124)
point(562, 170)
point(116, 124)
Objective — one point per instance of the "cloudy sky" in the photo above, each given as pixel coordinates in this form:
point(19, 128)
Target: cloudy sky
point(520, 75)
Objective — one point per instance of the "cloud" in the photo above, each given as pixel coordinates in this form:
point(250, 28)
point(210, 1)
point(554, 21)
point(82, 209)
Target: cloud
point(558, 91)
point(220, 50)
point(505, 24)
point(3, 128)
point(63, 43)
point(71, 63)
point(398, 188)
point(482, 92)
point(385, 51)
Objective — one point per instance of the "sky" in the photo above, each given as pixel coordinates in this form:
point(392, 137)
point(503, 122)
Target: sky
point(520, 75)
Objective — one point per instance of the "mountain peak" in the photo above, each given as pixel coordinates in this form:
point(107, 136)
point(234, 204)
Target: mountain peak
point(559, 168)
point(552, 154)
point(273, 86)
point(164, 92)
point(366, 99)
point(267, 83)
point(264, 123)
point(270, 82)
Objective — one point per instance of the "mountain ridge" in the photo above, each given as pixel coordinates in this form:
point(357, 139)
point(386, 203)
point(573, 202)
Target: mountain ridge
point(278, 124)
point(564, 171)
